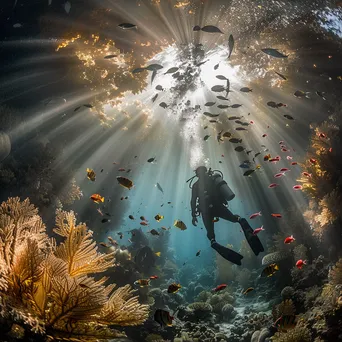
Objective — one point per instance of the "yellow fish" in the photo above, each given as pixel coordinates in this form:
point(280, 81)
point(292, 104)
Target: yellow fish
point(180, 224)
point(97, 198)
point(158, 217)
point(157, 254)
point(258, 167)
point(91, 175)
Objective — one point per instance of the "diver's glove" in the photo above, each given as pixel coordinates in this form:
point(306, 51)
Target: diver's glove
point(194, 220)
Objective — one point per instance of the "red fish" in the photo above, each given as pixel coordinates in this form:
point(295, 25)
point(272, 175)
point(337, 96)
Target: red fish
point(219, 287)
point(322, 135)
point(273, 185)
point(284, 169)
point(153, 277)
point(297, 187)
point(276, 215)
point(330, 149)
point(222, 155)
point(264, 135)
point(294, 163)
point(284, 150)
point(289, 239)
point(251, 122)
point(313, 161)
point(289, 158)
point(278, 175)
point(121, 169)
point(307, 174)
point(281, 142)
point(255, 215)
point(300, 263)
point(258, 230)
point(143, 223)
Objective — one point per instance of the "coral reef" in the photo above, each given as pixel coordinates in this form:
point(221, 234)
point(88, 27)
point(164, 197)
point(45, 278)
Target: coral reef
point(298, 334)
point(52, 285)
point(244, 277)
point(335, 274)
point(275, 257)
point(201, 309)
point(287, 292)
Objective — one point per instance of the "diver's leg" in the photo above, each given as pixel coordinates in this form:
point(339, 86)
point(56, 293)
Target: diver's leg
point(225, 252)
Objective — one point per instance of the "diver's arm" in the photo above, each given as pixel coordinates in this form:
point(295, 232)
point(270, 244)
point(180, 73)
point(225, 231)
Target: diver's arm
point(194, 196)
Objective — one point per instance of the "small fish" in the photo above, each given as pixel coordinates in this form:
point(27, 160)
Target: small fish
point(273, 185)
point(216, 66)
point(264, 135)
point(91, 174)
point(220, 97)
point(246, 90)
point(154, 97)
point(163, 105)
point(142, 218)
point(216, 219)
point(257, 154)
point(131, 217)
point(121, 169)
point(233, 118)
point(158, 217)
point(159, 187)
point(104, 244)
point(248, 290)
point(196, 28)
point(143, 223)
point(206, 137)
point(235, 140)
point(153, 277)
point(258, 230)
point(173, 288)
point(297, 187)
point(227, 135)
point(218, 88)
point(236, 105)
point(289, 239)
point(154, 232)
point(163, 317)
point(284, 169)
point(125, 182)
point(105, 220)
point(219, 287)
point(253, 216)
point(142, 282)
point(97, 198)
point(221, 77)
point(321, 94)
point(99, 211)
point(127, 26)
point(158, 254)
point(307, 174)
point(280, 75)
point(274, 160)
point(151, 160)
point(171, 70)
point(273, 52)
point(230, 45)
point(110, 56)
point(289, 158)
point(300, 263)
point(209, 104)
point(313, 161)
point(198, 253)
point(267, 157)
point(222, 106)
point(180, 224)
point(289, 117)
point(240, 129)
point(280, 174)
point(239, 148)
point(211, 115)
point(301, 94)
point(269, 270)
point(248, 173)
point(276, 215)
point(244, 166)
point(211, 29)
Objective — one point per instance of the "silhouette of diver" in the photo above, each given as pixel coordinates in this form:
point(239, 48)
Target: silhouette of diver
point(212, 193)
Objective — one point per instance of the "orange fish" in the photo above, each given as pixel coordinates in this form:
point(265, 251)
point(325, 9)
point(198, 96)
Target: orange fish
point(97, 198)
point(276, 215)
point(153, 277)
point(143, 223)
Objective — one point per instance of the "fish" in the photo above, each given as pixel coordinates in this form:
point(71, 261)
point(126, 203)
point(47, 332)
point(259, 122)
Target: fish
point(274, 159)
point(280, 75)
point(273, 185)
point(173, 288)
point(236, 105)
point(205, 127)
point(198, 253)
point(196, 28)
point(158, 217)
point(153, 232)
point(276, 215)
point(154, 74)
point(272, 104)
point(159, 87)
point(301, 94)
point(227, 134)
point(246, 90)
point(137, 70)
point(209, 104)
point(264, 135)
point(142, 282)
point(211, 29)
point(103, 244)
point(267, 157)
point(230, 45)
point(213, 121)
point(127, 26)
point(289, 117)
point(91, 174)
point(321, 94)
point(297, 187)
point(300, 263)
point(218, 88)
point(253, 216)
point(153, 277)
point(284, 169)
point(216, 219)
point(97, 198)
point(239, 148)
point(306, 174)
point(241, 129)
point(258, 230)
point(154, 98)
point(270, 270)
point(159, 187)
point(219, 97)
point(125, 182)
point(180, 224)
point(163, 105)
point(206, 137)
point(110, 56)
point(211, 115)
point(280, 174)
point(219, 287)
point(131, 217)
point(235, 140)
point(67, 7)
point(99, 211)
point(248, 173)
point(257, 154)
point(273, 52)
point(248, 290)
point(158, 254)
point(289, 158)
point(163, 317)
point(234, 118)
point(222, 106)
point(244, 166)
point(313, 161)
point(121, 169)
point(171, 70)
point(105, 220)
point(143, 223)
point(151, 160)
point(216, 66)
point(289, 239)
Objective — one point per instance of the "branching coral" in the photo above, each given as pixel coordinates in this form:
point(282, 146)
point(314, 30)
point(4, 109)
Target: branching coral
point(53, 283)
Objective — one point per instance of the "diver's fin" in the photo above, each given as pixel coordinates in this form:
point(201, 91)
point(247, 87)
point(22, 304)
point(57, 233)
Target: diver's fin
point(253, 240)
point(227, 253)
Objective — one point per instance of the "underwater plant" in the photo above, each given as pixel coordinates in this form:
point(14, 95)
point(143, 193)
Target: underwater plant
point(53, 284)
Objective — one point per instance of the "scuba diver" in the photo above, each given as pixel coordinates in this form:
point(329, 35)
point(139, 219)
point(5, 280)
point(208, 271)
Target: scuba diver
point(212, 193)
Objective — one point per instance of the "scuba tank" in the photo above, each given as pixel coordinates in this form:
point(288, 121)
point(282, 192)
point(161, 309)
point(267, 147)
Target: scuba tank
point(221, 185)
